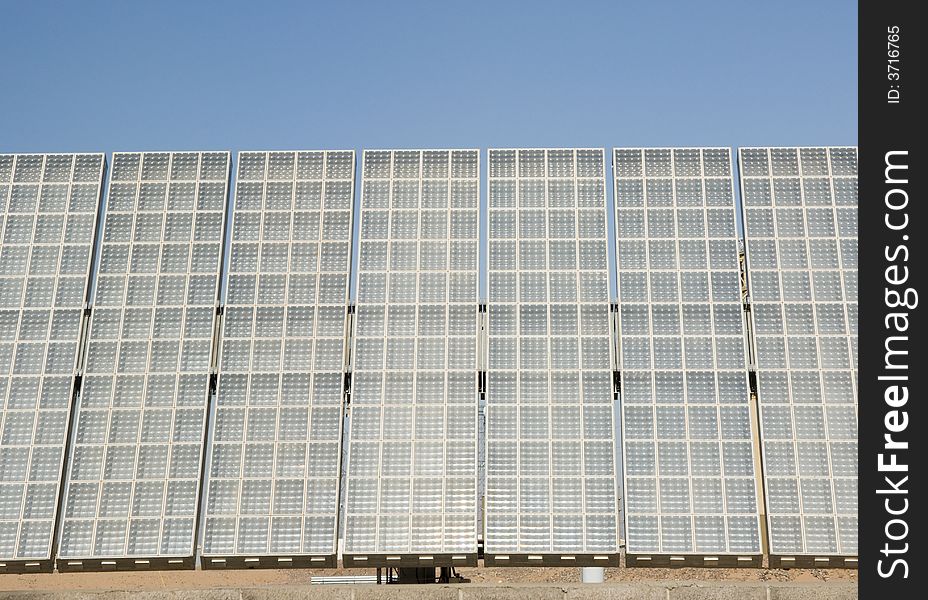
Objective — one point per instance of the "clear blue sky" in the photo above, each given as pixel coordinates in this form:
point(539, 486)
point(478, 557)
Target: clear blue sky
point(105, 76)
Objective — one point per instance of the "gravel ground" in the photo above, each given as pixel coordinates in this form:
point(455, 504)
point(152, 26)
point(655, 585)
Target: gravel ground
point(263, 578)
point(527, 575)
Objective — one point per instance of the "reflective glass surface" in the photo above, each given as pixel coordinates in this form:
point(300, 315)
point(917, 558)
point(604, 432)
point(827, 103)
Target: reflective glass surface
point(274, 464)
point(48, 214)
point(550, 484)
point(134, 471)
point(800, 207)
point(686, 425)
point(412, 458)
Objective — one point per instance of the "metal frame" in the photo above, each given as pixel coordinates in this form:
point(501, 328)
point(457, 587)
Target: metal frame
point(547, 550)
point(672, 231)
point(232, 437)
point(374, 412)
point(122, 436)
point(40, 490)
point(788, 165)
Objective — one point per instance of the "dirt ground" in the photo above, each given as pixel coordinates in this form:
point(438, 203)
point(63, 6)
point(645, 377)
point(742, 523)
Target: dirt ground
point(527, 575)
point(155, 580)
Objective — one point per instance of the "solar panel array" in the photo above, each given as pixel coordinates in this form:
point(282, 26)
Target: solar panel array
point(134, 473)
point(800, 208)
point(274, 469)
point(412, 465)
point(48, 214)
point(151, 368)
point(688, 461)
point(550, 433)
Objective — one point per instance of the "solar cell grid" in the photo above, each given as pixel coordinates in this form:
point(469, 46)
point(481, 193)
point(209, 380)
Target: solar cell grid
point(801, 233)
point(686, 426)
point(412, 472)
point(550, 439)
point(48, 214)
point(135, 465)
point(274, 468)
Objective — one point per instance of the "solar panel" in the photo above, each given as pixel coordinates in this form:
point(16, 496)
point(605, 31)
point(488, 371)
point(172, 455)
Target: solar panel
point(134, 471)
point(48, 214)
point(689, 468)
point(800, 207)
point(412, 466)
point(550, 487)
point(274, 467)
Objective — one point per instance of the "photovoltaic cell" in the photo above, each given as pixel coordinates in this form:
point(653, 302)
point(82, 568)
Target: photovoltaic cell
point(48, 214)
point(688, 459)
point(274, 468)
point(800, 207)
point(550, 488)
point(412, 472)
point(133, 477)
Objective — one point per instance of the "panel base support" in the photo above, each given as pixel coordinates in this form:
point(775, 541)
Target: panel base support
point(26, 566)
point(811, 561)
point(125, 564)
point(410, 560)
point(694, 560)
point(499, 559)
point(301, 561)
